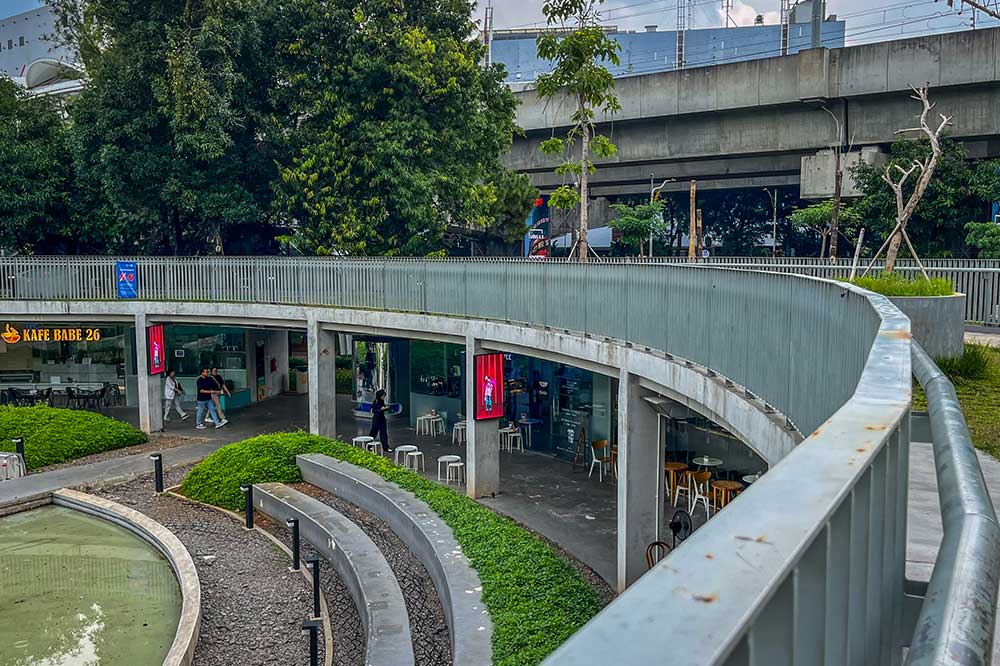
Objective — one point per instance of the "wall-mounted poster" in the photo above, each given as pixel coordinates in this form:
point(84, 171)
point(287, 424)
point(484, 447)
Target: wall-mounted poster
point(489, 386)
point(157, 351)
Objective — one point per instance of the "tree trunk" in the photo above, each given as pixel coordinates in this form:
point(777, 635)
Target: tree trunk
point(177, 230)
point(838, 180)
point(584, 248)
point(822, 247)
point(893, 252)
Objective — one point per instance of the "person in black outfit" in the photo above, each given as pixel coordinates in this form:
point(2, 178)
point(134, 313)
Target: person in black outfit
point(379, 426)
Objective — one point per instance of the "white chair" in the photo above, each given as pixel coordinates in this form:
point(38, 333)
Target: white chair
point(456, 472)
point(374, 446)
point(444, 460)
point(361, 441)
point(600, 458)
point(458, 433)
point(406, 448)
point(411, 460)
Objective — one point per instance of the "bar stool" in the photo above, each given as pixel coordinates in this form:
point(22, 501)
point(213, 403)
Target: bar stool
point(413, 457)
point(361, 441)
point(375, 446)
point(458, 433)
point(456, 472)
point(673, 469)
point(723, 492)
point(444, 460)
point(406, 448)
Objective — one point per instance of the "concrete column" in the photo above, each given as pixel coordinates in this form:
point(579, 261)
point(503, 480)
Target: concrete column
point(277, 348)
point(322, 380)
point(640, 479)
point(482, 450)
point(150, 386)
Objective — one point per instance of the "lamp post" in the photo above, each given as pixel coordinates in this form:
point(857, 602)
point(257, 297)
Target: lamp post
point(313, 563)
point(310, 628)
point(293, 525)
point(653, 191)
point(773, 196)
point(248, 506)
point(18, 446)
point(157, 459)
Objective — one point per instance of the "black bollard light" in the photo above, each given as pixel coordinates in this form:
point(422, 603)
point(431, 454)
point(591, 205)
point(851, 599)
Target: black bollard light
point(293, 525)
point(18, 446)
point(310, 628)
point(313, 563)
point(248, 508)
point(157, 459)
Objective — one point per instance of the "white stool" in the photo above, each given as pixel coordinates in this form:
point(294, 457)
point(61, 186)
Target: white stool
point(456, 472)
point(443, 460)
point(361, 441)
point(437, 426)
point(406, 448)
point(458, 433)
point(414, 456)
point(424, 424)
point(375, 446)
point(515, 437)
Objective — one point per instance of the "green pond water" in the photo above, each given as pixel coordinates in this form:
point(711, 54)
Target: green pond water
point(79, 591)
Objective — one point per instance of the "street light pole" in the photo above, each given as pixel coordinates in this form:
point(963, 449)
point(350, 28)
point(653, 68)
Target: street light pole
point(773, 196)
point(652, 197)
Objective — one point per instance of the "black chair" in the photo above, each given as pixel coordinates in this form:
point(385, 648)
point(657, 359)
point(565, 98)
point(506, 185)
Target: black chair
point(74, 398)
point(44, 397)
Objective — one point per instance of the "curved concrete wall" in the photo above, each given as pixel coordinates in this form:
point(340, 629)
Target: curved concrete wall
point(749, 417)
point(428, 538)
point(186, 639)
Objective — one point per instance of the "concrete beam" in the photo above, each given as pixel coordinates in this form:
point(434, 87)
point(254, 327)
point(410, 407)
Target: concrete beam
point(482, 448)
point(322, 380)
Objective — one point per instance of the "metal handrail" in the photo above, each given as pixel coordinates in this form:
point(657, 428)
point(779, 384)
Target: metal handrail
point(958, 615)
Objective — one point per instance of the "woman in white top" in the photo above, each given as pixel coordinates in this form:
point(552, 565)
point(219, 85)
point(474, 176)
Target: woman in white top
point(172, 393)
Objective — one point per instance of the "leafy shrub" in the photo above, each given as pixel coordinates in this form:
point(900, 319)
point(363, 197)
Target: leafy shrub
point(976, 362)
point(345, 381)
point(893, 284)
point(54, 436)
point(536, 599)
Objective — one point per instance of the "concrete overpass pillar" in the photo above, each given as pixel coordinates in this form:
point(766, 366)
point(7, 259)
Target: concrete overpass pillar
point(150, 387)
point(322, 380)
point(640, 478)
point(482, 449)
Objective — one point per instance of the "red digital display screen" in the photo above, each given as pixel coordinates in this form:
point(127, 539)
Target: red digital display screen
point(489, 386)
point(157, 350)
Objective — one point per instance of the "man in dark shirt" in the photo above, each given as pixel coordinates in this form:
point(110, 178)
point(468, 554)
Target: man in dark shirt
point(207, 388)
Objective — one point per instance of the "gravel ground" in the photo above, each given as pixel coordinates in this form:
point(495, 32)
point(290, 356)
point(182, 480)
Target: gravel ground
point(252, 605)
point(156, 443)
point(431, 639)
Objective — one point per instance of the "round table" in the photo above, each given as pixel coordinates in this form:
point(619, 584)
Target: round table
point(750, 478)
point(726, 491)
point(526, 425)
point(672, 469)
point(705, 461)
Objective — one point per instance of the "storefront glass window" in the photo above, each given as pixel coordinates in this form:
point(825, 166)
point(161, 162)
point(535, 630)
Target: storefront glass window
point(190, 348)
point(41, 355)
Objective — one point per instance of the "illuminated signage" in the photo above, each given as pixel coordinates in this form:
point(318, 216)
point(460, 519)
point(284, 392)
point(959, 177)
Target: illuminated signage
point(13, 335)
point(489, 386)
point(157, 353)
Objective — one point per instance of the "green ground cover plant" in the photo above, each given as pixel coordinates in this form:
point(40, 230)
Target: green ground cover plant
point(976, 377)
point(535, 597)
point(893, 284)
point(53, 435)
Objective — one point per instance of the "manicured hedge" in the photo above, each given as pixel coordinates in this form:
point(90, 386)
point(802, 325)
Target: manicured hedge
point(56, 435)
point(536, 599)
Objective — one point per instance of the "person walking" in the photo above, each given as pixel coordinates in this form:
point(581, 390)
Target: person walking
point(379, 425)
point(206, 389)
point(172, 393)
point(223, 390)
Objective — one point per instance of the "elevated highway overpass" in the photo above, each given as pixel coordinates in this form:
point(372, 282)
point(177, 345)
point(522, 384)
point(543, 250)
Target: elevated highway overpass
point(749, 124)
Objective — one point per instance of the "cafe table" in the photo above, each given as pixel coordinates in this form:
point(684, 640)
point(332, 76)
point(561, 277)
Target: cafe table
point(528, 425)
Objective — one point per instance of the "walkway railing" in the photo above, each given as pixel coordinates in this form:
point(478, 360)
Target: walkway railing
point(807, 567)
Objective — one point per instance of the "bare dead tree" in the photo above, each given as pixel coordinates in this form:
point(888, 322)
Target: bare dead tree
point(896, 177)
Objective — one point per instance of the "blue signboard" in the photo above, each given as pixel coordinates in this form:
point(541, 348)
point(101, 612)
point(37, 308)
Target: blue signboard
point(128, 286)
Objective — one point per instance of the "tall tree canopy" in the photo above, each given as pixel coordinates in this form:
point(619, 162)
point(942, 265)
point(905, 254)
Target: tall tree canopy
point(399, 126)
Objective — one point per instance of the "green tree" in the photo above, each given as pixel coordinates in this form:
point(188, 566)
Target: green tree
point(937, 225)
point(400, 127)
point(638, 223)
point(171, 137)
point(818, 218)
point(578, 73)
point(36, 188)
point(985, 236)
point(513, 198)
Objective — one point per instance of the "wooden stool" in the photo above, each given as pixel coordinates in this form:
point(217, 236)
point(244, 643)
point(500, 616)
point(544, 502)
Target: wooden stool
point(723, 492)
point(672, 469)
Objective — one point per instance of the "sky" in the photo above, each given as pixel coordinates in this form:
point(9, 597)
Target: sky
point(867, 20)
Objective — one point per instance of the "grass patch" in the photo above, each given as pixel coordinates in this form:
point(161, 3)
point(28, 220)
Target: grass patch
point(536, 598)
point(894, 284)
point(976, 376)
point(54, 435)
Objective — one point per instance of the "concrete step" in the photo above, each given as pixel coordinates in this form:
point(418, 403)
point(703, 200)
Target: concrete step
point(358, 562)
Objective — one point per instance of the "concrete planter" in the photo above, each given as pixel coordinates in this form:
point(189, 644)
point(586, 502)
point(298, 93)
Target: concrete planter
point(937, 322)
